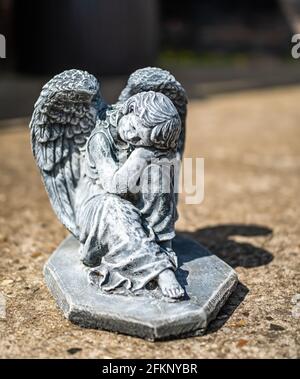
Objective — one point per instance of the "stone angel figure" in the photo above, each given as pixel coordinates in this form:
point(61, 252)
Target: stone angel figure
point(92, 156)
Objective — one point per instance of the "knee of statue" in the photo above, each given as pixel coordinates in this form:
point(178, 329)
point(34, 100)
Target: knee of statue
point(91, 256)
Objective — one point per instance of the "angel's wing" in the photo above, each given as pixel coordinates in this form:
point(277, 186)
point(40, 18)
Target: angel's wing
point(63, 118)
point(158, 80)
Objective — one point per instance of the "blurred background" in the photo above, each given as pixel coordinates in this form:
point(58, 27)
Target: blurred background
point(211, 46)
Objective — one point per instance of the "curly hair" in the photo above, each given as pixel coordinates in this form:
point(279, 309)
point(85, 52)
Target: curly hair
point(158, 113)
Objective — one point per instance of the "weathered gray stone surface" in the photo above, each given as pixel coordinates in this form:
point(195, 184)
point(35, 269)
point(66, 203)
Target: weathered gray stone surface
point(207, 280)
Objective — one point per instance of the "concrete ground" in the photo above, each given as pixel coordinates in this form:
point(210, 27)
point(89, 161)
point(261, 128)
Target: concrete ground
point(249, 217)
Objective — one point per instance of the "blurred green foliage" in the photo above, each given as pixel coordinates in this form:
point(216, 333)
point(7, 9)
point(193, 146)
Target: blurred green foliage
point(190, 58)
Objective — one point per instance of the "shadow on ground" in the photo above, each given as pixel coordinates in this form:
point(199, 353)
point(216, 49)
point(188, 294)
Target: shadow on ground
point(219, 240)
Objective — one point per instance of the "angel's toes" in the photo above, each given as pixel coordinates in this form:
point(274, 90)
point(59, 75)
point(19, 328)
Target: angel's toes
point(173, 292)
point(180, 291)
point(177, 292)
point(165, 291)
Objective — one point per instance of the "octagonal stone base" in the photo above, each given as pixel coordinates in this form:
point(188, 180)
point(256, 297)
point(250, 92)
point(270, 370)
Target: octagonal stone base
point(207, 280)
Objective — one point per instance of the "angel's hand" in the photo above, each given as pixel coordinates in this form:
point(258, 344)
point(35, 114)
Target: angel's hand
point(144, 153)
point(150, 154)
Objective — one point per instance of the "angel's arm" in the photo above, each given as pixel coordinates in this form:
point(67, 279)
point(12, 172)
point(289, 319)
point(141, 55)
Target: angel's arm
point(116, 179)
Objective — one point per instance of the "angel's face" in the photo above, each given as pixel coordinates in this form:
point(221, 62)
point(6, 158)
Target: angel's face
point(132, 130)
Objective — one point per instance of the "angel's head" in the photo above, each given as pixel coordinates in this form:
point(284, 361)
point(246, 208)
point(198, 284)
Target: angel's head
point(149, 119)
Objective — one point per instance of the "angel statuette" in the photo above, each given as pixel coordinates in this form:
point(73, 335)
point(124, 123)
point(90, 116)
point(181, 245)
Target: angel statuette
point(110, 172)
point(92, 156)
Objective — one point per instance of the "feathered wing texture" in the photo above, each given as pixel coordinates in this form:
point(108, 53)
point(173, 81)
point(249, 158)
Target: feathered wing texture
point(63, 118)
point(158, 80)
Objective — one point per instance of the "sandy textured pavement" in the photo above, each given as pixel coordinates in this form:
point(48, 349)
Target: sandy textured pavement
point(249, 218)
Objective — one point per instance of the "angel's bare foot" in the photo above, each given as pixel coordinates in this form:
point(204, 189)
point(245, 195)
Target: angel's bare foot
point(169, 285)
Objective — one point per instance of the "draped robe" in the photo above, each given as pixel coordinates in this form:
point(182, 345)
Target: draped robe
point(120, 233)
